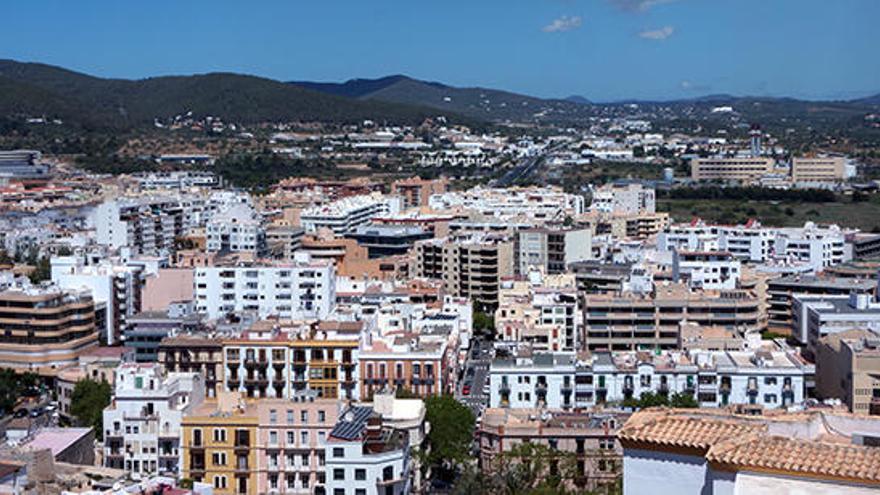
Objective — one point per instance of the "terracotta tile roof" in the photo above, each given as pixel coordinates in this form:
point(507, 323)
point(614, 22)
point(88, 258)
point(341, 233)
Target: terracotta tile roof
point(805, 457)
point(688, 432)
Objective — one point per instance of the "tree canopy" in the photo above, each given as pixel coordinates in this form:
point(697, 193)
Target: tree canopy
point(88, 401)
point(451, 434)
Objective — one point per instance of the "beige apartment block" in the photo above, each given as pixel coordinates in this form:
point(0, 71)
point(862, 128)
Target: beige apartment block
point(818, 169)
point(737, 168)
point(848, 368)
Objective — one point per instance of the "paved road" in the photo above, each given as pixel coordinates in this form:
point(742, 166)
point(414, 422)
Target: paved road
point(476, 400)
point(526, 167)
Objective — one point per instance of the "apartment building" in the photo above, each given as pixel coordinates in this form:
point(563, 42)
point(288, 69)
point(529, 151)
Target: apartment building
point(147, 329)
point(45, 329)
point(711, 270)
point(588, 437)
point(387, 240)
point(197, 353)
point(651, 320)
point(142, 424)
point(219, 446)
point(344, 215)
point(291, 434)
point(781, 292)
point(416, 191)
point(283, 241)
point(532, 203)
point(770, 377)
point(117, 287)
point(236, 229)
point(552, 250)
point(818, 169)
point(301, 289)
point(146, 225)
point(280, 359)
point(469, 266)
point(178, 180)
point(542, 311)
point(364, 457)
point(623, 199)
point(815, 317)
point(741, 168)
point(848, 369)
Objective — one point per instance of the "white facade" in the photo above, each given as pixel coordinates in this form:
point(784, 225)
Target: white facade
point(814, 317)
point(624, 199)
point(715, 378)
point(236, 229)
point(707, 270)
point(295, 291)
point(345, 215)
point(146, 225)
point(142, 426)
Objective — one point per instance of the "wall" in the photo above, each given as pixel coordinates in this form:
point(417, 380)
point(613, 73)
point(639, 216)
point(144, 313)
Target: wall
point(647, 471)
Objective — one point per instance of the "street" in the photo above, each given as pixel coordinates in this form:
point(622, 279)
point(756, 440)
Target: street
point(476, 372)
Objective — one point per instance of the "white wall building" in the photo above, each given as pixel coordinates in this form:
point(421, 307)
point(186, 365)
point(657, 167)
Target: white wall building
point(236, 229)
point(343, 216)
point(142, 425)
point(146, 225)
point(304, 289)
point(623, 199)
point(815, 316)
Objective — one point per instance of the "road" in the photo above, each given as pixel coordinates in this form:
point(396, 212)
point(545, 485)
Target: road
point(526, 167)
point(476, 399)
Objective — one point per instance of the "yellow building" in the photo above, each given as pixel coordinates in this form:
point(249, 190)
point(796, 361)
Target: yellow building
point(219, 445)
point(818, 169)
point(737, 168)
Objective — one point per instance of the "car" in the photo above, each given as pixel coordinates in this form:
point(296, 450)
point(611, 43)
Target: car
point(21, 413)
point(50, 408)
point(466, 390)
point(36, 412)
point(470, 372)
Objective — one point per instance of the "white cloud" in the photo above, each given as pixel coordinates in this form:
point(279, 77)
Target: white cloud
point(564, 23)
point(658, 34)
point(638, 5)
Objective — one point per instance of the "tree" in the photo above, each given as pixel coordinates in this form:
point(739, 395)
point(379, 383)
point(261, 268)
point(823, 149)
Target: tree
point(13, 386)
point(451, 435)
point(483, 323)
point(88, 401)
point(683, 400)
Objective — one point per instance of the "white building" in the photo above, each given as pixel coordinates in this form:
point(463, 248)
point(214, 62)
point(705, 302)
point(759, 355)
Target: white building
point(363, 457)
point(816, 316)
point(142, 425)
point(709, 270)
point(343, 216)
point(623, 199)
point(236, 229)
point(116, 287)
point(146, 225)
point(771, 378)
point(536, 203)
point(552, 249)
point(303, 289)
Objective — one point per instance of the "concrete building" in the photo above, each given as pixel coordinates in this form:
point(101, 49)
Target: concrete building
point(818, 169)
point(782, 291)
point(146, 225)
point(142, 424)
point(469, 266)
point(363, 457)
point(236, 229)
point(651, 321)
point(281, 359)
point(623, 199)
point(194, 353)
point(542, 311)
point(343, 216)
point(531, 203)
point(117, 287)
point(695, 452)
point(282, 242)
point(146, 330)
point(771, 378)
point(552, 250)
point(387, 240)
point(848, 369)
point(22, 164)
point(744, 169)
point(302, 289)
point(45, 329)
point(710, 270)
point(815, 317)
point(416, 191)
point(589, 437)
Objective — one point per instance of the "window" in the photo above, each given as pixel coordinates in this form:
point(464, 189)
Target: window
point(322, 437)
point(304, 437)
point(360, 474)
point(273, 416)
point(220, 482)
point(219, 458)
point(321, 416)
point(339, 474)
point(219, 435)
point(291, 438)
point(290, 416)
point(339, 491)
point(360, 491)
point(338, 452)
point(304, 416)
point(273, 438)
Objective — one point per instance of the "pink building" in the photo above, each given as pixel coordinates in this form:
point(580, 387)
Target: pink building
point(168, 286)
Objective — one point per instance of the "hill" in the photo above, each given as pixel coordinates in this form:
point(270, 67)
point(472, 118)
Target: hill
point(37, 89)
point(480, 103)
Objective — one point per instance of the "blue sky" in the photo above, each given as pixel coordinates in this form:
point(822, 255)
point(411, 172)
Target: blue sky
point(601, 49)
